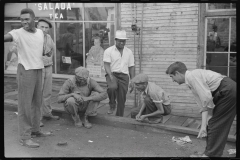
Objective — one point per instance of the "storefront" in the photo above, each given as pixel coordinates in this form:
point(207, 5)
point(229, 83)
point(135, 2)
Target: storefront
point(202, 35)
point(80, 31)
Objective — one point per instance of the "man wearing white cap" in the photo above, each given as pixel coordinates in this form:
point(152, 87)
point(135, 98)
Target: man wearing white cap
point(119, 65)
point(76, 96)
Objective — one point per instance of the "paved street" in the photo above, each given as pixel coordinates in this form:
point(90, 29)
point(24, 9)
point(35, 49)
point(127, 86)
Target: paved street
point(100, 141)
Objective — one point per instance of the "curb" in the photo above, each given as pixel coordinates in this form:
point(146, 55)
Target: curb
point(121, 122)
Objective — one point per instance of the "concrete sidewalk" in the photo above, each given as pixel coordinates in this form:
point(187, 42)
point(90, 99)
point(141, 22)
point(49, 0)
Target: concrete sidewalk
point(186, 125)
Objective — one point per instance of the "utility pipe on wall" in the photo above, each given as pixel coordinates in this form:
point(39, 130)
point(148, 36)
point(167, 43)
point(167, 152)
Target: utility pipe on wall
point(140, 63)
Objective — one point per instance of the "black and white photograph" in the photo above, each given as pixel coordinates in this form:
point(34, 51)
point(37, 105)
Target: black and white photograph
point(120, 80)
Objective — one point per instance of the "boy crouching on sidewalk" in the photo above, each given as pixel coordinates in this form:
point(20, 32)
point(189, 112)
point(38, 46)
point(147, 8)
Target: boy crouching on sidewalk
point(155, 101)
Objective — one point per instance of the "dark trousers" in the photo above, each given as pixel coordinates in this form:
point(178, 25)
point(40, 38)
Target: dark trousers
point(224, 112)
point(150, 108)
point(117, 89)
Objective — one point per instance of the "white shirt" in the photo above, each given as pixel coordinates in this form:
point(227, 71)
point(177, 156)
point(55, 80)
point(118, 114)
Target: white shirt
point(117, 62)
point(202, 83)
point(156, 93)
point(30, 48)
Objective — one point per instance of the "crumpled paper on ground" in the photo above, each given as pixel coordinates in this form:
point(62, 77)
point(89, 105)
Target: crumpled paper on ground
point(182, 140)
point(232, 151)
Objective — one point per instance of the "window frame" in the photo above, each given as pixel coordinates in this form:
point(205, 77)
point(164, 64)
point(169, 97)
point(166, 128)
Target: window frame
point(205, 14)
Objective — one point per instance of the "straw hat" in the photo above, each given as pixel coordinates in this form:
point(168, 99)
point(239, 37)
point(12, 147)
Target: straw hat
point(121, 34)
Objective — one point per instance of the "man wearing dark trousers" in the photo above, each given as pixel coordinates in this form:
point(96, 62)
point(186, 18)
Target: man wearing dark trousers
point(119, 65)
point(215, 94)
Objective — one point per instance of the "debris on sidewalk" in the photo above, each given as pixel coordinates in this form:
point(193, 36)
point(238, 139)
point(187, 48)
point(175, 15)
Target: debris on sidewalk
point(16, 113)
point(62, 143)
point(90, 141)
point(232, 151)
point(182, 140)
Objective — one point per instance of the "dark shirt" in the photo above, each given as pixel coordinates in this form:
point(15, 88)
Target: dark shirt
point(70, 86)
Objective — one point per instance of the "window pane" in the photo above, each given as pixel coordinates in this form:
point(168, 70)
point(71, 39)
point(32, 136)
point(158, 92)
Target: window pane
point(233, 5)
point(214, 6)
point(217, 59)
point(99, 12)
point(69, 47)
point(42, 10)
point(233, 36)
point(12, 10)
point(71, 11)
point(221, 70)
point(217, 34)
point(233, 73)
point(99, 36)
point(233, 59)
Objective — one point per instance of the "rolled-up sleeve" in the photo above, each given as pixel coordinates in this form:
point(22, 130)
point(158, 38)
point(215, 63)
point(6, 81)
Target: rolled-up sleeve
point(14, 35)
point(106, 56)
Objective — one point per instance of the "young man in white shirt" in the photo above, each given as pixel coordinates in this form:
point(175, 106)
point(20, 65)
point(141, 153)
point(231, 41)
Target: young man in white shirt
point(215, 94)
point(119, 65)
point(29, 42)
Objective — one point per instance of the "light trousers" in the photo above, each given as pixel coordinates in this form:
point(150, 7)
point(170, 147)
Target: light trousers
point(46, 109)
point(29, 100)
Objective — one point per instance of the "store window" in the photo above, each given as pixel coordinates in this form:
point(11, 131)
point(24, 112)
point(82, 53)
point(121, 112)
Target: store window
point(221, 41)
point(69, 44)
point(12, 10)
point(99, 36)
point(81, 32)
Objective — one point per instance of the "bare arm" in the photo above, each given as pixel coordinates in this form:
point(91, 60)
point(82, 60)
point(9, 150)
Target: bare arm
point(108, 70)
point(8, 38)
point(159, 110)
point(131, 71)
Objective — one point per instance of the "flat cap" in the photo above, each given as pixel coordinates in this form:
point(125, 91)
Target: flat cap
point(45, 20)
point(82, 72)
point(140, 78)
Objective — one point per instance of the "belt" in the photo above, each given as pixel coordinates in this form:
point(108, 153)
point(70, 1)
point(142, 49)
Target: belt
point(48, 66)
point(118, 73)
point(214, 92)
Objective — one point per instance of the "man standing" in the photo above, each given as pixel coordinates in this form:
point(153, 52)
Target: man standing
point(216, 95)
point(155, 101)
point(48, 51)
point(119, 65)
point(29, 42)
point(76, 96)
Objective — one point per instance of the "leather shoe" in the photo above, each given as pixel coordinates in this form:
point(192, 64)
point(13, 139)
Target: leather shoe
point(29, 143)
point(40, 134)
point(51, 117)
point(41, 124)
point(111, 110)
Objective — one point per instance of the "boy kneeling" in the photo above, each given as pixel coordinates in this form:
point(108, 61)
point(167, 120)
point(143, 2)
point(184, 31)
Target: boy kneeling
point(155, 101)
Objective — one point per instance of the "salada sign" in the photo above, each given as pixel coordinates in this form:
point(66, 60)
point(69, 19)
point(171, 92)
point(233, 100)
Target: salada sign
point(51, 6)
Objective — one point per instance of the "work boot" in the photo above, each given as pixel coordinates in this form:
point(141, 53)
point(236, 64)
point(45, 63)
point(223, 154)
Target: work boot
point(29, 143)
point(86, 122)
point(40, 134)
point(77, 121)
point(41, 124)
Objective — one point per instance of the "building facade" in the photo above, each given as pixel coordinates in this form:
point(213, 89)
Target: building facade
point(202, 35)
